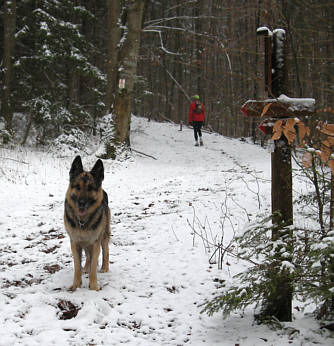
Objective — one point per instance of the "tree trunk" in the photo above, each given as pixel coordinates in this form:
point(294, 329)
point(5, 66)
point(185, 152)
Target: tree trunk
point(73, 90)
point(128, 62)
point(73, 76)
point(26, 132)
point(123, 117)
point(114, 35)
point(9, 46)
point(278, 301)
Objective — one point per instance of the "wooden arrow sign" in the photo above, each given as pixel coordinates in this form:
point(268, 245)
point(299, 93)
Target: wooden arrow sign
point(282, 107)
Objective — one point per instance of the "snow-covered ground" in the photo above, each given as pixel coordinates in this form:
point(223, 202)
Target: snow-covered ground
point(159, 272)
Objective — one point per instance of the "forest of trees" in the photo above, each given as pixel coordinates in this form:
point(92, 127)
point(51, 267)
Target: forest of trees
point(72, 68)
point(61, 61)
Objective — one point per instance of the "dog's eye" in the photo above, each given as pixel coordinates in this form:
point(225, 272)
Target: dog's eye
point(90, 188)
point(77, 187)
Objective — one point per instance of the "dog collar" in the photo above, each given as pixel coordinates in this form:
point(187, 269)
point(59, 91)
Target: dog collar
point(81, 224)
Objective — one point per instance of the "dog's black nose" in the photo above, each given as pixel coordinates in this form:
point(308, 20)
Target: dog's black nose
point(82, 203)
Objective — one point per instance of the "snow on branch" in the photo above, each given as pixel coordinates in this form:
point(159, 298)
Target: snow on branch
point(156, 28)
point(178, 84)
point(162, 46)
point(161, 20)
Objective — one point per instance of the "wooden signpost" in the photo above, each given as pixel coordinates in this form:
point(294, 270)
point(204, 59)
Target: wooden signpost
point(278, 106)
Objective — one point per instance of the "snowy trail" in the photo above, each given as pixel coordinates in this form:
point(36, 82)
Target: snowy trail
point(159, 271)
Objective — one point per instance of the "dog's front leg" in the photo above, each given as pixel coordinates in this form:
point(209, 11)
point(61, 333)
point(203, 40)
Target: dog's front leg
point(105, 254)
point(86, 268)
point(93, 266)
point(76, 252)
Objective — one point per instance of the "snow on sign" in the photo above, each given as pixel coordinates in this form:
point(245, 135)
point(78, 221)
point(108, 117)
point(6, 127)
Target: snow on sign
point(282, 107)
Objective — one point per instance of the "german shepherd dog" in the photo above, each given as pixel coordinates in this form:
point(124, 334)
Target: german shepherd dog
point(87, 221)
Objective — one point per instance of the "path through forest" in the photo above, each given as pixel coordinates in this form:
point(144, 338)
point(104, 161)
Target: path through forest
point(159, 273)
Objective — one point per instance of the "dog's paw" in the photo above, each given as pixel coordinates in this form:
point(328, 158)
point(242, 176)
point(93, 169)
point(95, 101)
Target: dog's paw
point(75, 286)
point(94, 287)
point(104, 270)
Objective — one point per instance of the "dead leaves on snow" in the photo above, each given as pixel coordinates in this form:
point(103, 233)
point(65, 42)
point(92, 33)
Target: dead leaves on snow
point(67, 310)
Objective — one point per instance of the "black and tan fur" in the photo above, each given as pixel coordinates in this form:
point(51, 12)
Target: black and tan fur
point(87, 221)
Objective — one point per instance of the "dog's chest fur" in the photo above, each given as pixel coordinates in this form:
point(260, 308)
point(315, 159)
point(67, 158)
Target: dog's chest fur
point(84, 231)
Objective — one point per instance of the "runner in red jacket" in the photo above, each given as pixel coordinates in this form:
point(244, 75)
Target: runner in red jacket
point(196, 117)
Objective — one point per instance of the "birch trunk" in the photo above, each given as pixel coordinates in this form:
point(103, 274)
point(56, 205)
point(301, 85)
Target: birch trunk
point(128, 63)
point(114, 36)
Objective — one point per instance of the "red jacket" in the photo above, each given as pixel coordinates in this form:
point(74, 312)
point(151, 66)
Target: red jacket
point(193, 116)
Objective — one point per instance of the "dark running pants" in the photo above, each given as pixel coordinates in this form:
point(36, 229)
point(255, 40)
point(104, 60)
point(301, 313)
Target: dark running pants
point(197, 125)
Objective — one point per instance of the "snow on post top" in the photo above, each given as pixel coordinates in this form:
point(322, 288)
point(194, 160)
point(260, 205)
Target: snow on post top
point(263, 30)
point(280, 32)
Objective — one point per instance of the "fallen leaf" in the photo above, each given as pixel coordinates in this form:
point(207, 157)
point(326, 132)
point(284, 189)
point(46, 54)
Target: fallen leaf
point(325, 150)
point(290, 123)
point(290, 134)
point(327, 129)
point(278, 124)
point(289, 130)
point(277, 130)
point(331, 165)
point(265, 109)
point(324, 156)
point(303, 131)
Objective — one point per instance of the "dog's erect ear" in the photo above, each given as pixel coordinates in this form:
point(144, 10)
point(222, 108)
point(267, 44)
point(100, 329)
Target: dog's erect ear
point(76, 167)
point(98, 172)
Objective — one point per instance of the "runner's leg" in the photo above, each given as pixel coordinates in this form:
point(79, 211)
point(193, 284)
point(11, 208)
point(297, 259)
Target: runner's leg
point(195, 125)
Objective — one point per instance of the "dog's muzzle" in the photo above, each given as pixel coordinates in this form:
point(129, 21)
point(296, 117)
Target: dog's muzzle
point(83, 205)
